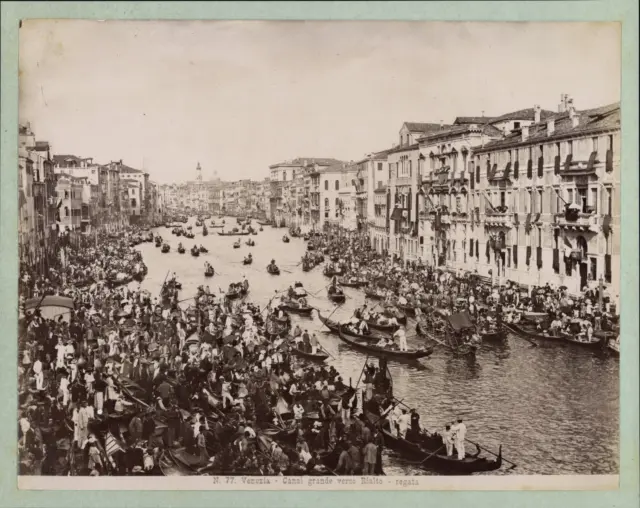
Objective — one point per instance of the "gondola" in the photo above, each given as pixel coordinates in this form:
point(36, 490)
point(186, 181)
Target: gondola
point(353, 284)
point(593, 343)
point(319, 356)
point(203, 250)
point(293, 306)
point(198, 223)
point(236, 245)
point(195, 252)
point(378, 326)
point(165, 248)
point(336, 297)
point(285, 239)
point(238, 290)
point(387, 353)
point(247, 261)
point(250, 243)
point(181, 250)
point(334, 327)
point(497, 335)
point(401, 317)
point(523, 332)
point(205, 232)
point(327, 272)
point(237, 233)
point(213, 226)
point(373, 295)
point(273, 270)
point(264, 223)
point(209, 272)
point(440, 462)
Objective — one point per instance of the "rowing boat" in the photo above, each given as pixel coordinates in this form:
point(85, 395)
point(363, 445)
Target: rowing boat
point(293, 306)
point(334, 326)
point(319, 356)
point(425, 452)
point(519, 330)
point(411, 354)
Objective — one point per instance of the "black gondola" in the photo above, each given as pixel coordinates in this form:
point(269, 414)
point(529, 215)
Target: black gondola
point(285, 239)
point(165, 248)
point(387, 353)
point(318, 356)
point(236, 245)
point(209, 272)
point(237, 233)
point(273, 270)
point(247, 261)
point(203, 250)
point(293, 306)
point(195, 252)
point(427, 453)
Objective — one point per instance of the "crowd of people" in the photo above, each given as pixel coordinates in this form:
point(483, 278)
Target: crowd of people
point(129, 383)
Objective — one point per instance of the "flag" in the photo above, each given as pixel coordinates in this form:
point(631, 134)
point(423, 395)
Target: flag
point(111, 445)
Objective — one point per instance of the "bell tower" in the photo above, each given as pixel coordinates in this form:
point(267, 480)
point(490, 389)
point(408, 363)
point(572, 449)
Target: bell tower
point(199, 173)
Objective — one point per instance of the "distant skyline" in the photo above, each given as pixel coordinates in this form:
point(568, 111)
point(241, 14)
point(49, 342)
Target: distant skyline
point(238, 96)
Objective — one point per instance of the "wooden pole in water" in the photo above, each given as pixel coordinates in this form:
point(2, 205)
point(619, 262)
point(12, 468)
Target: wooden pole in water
point(600, 294)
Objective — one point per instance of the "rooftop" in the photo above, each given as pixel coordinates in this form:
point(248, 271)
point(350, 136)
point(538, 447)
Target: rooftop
point(589, 121)
point(421, 127)
point(522, 114)
point(464, 120)
point(301, 161)
point(127, 169)
point(451, 130)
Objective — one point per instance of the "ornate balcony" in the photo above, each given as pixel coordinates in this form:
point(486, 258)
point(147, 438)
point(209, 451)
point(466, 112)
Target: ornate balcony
point(500, 217)
point(579, 221)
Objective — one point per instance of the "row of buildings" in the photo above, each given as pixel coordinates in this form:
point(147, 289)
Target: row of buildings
point(531, 196)
point(61, 195)
point(215, 196)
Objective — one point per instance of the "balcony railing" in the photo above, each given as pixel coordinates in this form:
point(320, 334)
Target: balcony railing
point(580, 221)
point(499, 219)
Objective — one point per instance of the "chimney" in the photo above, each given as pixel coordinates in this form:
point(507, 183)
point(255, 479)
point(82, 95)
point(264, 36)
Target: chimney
point(441, 124)
point(562, 107)
point(551, 126)
point(483, 113)
point(525, 132)
point(575, 120)
point(537, 110)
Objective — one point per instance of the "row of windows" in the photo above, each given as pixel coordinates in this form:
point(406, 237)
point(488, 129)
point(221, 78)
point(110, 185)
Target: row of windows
point(514, 154)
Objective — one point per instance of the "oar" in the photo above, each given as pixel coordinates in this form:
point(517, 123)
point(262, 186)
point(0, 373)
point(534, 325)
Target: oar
point(397, 403)
point(327, 318)
point(513, 465)
point(431, 455)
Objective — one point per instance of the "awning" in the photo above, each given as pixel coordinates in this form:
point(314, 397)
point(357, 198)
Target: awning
point(460, 321)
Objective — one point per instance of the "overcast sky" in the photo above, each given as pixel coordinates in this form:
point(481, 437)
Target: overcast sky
point(239, 96)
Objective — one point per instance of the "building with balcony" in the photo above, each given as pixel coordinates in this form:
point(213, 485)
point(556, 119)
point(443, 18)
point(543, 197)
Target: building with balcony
point(447, 190)
point(550, 209)
point(286, 191)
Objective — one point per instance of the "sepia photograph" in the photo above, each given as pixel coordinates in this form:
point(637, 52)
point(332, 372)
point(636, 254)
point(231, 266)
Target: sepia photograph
point(318, 254)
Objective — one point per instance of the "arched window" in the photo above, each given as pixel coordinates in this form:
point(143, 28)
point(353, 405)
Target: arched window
point(66, 211)
point(337, 185)
point(326, 185)
point(326, 206)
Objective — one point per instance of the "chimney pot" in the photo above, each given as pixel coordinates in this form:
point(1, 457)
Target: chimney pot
point(525, 132)
point(441, 124)
point(551, 126)
point(537, 113)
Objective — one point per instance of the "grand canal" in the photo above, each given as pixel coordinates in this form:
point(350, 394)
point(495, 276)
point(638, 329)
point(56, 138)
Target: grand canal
point(554, 409)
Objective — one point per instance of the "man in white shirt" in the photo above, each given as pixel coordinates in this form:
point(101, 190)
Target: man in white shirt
point(402, 339)
point(459, 430)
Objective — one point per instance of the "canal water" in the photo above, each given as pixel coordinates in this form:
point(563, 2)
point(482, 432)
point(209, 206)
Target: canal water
point(553, 409)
